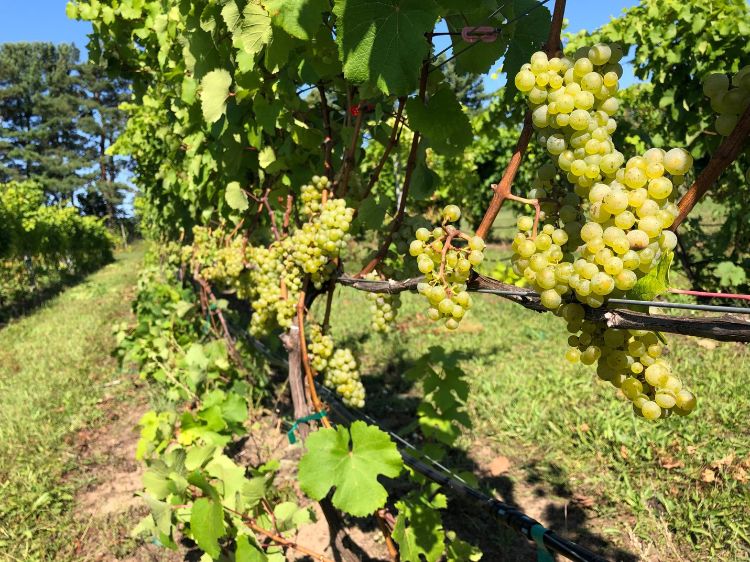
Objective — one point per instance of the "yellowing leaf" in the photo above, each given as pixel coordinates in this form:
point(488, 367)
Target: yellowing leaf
point(214, 92)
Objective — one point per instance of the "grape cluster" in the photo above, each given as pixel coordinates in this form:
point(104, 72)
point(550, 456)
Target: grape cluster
point(215, 257)
point(274, 281)
point(729, 100)
point(504, 273)
point(338, 367)
point(630, 360)
point(445, 279)
point(384, 307)
point(597, 239)
point(320, 348)
point(312, 195)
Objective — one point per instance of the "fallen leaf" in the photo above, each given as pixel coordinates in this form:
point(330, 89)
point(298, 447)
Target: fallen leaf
point(740, 474)
point(707, 344)
point(624, 452)
point(583, 501)
point(708, 475)
point(724, 461)
point(670, 462)
point(691, 449)
point(583, 428)
point(499, 465)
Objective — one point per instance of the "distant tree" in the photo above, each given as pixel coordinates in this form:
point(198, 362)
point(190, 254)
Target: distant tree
point(57, 119)
point(102, 121)
point(40, 102)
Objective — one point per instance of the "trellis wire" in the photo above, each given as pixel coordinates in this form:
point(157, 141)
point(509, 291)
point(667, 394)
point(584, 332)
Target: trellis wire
point(439, 473)
point(499, 30)
point(633, 302)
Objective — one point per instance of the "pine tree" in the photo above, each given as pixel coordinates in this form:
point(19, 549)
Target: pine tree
point(40, 102)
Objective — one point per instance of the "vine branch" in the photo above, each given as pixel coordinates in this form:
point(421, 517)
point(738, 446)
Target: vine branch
point(722, 328)
point(410, 165)
point(503, 187)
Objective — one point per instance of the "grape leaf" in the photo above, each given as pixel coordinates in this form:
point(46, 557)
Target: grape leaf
point(383, 42)
point(330, 462)
point(419, 530)
point(235, 197)
point(655, 283)
point(248, 550)
point(252, 31)
point(729, 274)
point(299, 18)
point(214, 93)
point(441, 121)
point(207, 525)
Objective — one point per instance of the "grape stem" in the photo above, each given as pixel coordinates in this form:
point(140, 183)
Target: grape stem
point(288, 213)
point(317, 405)
point(342, 185)
point(328, 141)
point(410, 165)
point(263, 201)
point(502, 190)
point(380, 518)
point(537, 210)
point(728, 151)
point(393, 140)
point(451, 234)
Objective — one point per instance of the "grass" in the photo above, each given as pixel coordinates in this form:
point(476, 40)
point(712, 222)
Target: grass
point(53, 368)
point(661, 491)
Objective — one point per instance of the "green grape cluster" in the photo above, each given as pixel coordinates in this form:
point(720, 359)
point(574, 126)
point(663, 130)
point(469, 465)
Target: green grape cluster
point(320, 348)
point(309, 250)
point(728, 99)
point(631, 360)
point(445, 281)
point(216, 258)
point(342, 374)
point(312, 195)
point(384, 307)
point(608, 228)
point(338, 367)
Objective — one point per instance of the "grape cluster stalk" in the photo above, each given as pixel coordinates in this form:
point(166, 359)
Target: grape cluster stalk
point(604, 221)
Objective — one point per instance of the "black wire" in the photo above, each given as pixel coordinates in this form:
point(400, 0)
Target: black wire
point(474, 28)
point(462, 51)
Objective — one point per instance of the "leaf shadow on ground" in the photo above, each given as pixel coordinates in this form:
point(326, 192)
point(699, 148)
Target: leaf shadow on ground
point(393, 400)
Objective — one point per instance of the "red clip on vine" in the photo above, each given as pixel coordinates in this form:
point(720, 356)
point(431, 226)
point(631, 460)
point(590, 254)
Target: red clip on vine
point(484, 33)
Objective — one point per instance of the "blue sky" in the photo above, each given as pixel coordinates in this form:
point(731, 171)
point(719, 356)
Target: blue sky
point(44, 20)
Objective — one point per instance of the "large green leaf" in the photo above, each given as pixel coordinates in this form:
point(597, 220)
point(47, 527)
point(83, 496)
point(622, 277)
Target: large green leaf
point(250, 32)
point(441, 121)
point(207, 525)
point(655, 283)
point(235, 197)
point(351, 464)
point(299, 18)
point(383, 42)
point(214, 93)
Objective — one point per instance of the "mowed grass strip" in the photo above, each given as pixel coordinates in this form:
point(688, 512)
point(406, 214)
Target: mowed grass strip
point(666, 490)
point(53, 368)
